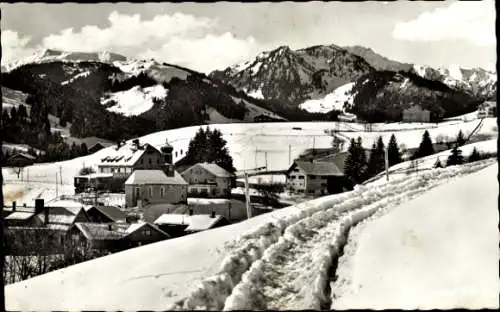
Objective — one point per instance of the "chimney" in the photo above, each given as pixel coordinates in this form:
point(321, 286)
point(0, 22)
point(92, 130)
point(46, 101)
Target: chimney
point(191, 212)
point(212, 215)
point(39, 204)
point(46, 215)
point(169, 170)
point(14, 206)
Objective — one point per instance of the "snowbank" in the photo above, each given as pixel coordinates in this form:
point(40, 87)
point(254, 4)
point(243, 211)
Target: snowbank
point(439, 251)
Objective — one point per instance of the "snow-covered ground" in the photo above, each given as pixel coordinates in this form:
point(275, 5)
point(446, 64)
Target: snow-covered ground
point(276, 260)
point(135, 101)
point(439, 251)
point(403, 169)
point(332, 101)
point(254, 145)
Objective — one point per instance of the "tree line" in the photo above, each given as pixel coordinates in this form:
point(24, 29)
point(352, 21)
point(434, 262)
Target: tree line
point(361, 165)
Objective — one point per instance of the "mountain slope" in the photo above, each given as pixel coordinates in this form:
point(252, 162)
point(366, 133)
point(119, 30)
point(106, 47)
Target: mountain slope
point(378, 61)
point(292, 77)
point(115, 98)
point(319, 79)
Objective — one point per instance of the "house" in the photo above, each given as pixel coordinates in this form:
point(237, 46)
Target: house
point(105, 214)
point(123, 159)
point(116, 237)
point(57, 217)
point(416, 114)
point(181, 224)
point(155, 187)
point(21, 160)
point(43, 229)
point(98, 146)
point(208, 180)
point(312, 177)
point(487, 109)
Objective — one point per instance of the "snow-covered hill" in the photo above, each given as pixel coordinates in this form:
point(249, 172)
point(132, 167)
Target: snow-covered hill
point(439, 251)
point(135, 101)
point(296, 246)
point(337, 100)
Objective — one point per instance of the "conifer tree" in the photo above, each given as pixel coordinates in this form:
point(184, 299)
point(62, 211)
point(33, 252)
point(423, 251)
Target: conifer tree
point(394, 154)
point(376, 161)
point(474, 156)
point(456, 157)
point(426, 148)
point(460, 138)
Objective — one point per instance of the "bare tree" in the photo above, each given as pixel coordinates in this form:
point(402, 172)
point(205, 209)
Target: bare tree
point(17, 170)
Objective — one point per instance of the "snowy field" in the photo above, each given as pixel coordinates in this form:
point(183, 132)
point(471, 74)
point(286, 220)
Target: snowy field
point(294, 246)
point(257, 144)
point(439, 251)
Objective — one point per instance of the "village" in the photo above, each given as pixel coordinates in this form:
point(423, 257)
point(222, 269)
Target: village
point(155, 199)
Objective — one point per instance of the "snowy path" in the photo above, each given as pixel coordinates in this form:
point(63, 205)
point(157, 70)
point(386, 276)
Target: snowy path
point(293, 271)
point(439, 251)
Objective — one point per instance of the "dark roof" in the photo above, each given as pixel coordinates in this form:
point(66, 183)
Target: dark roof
point(25, 155)
point(112, 212)
point(100, 231)
point(319, 168)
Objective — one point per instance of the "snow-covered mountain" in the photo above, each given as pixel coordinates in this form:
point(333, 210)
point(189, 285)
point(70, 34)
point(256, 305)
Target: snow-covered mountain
point(476, 81)
point(50, 55)
point(310, 78)
point(92, 90)
point(294, 76)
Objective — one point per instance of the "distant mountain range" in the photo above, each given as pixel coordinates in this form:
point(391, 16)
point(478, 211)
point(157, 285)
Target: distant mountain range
point(107, 95)
point(321, 79)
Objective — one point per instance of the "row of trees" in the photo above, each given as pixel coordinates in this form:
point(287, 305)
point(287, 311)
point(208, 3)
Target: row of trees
point(359, 168)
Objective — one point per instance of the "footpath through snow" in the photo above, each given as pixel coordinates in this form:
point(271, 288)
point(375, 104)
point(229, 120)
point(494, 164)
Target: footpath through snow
point(439, 251)
point(279, 260)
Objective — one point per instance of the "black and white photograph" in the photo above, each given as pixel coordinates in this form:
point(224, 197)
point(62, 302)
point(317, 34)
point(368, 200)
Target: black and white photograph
point(225, 156)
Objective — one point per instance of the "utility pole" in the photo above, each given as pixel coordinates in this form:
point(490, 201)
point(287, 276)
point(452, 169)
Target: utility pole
point(60, 175)
point(247, 197)
point(57, 191)
point(255, 156)
point(289, 154)
point(266, 160)
point(387, 163)
point(314, 142)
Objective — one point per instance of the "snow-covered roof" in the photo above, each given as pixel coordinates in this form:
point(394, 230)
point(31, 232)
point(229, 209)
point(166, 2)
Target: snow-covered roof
point(20, 215)
point(214, 169)
point(136, 226)
point(199, 222)
point(126, 155)
point(154, 177)
point(99, 231)
point(95, 175)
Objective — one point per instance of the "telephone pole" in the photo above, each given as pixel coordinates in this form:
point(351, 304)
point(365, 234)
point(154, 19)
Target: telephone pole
point(57, 191)
point(247, 197)
point(266, 160)
point(60, 175)
point(387, 163)
point(289, 154)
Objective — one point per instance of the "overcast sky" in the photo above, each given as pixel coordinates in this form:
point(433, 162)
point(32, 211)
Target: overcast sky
point(216, 35)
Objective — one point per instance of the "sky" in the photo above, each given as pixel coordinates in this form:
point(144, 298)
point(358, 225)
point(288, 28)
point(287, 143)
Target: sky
point(209, 36)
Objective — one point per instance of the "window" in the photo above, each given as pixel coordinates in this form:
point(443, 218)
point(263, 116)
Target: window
point(142, 161)
point(301, 177)
point(158, 161)
point(118, 170)
point(102, 169)
point(137, 191)
point(323, 184)
point(312, 177)
point(311, 191)
point(293, 177)
point(112, 170)
point(147, 232)
point(162, 192)
point(150, 162)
